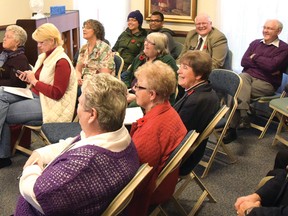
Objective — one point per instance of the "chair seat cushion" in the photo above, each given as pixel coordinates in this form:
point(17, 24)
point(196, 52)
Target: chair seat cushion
point(56, 131)
point(280, 105)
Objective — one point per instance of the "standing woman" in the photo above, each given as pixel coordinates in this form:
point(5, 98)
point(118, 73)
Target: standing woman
point(130, 43)
point(53, 84)
point(13, 57)
point(96, 56)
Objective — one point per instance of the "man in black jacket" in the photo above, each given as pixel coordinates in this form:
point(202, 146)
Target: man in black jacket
point(270, 199)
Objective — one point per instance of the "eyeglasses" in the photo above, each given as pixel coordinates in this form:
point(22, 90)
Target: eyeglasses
point(149, 42)
point(203, 24)
point(268, 28)
point(138, 87)
point(155, 21)
point(86, 27)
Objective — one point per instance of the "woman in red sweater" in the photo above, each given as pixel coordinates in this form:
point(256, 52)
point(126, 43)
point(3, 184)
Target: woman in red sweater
point(158, 133)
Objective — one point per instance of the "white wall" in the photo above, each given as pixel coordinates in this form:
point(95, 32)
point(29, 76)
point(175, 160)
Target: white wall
point(111, 13)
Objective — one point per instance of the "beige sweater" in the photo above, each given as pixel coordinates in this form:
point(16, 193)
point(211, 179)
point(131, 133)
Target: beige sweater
point(56, 110)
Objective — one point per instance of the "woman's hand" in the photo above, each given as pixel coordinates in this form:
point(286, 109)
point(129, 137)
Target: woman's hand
point(130, 97)
point(35, 158)
point(28, 76)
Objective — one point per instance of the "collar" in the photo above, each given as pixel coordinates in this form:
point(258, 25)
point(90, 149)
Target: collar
point(192, 88)
point(274, 43)
point(155, 111)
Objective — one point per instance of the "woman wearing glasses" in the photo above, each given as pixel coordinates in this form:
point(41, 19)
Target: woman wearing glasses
point(158, 133)
point(96, 56)
point(53, 85)
point(155, 48)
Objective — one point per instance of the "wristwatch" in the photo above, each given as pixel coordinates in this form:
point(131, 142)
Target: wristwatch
point(247, 211)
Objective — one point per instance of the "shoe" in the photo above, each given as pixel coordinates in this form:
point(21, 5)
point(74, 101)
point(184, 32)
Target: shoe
point(4, 162)
point(230, 136)
point(244, 123)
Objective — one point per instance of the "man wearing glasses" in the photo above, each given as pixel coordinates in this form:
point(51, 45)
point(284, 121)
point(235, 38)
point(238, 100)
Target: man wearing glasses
point(208, 39)
point(156, 25)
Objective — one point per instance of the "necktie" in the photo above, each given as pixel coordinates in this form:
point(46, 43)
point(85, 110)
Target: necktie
point(199, 43)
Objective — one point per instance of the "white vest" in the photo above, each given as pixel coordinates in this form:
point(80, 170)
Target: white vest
point(61, 110)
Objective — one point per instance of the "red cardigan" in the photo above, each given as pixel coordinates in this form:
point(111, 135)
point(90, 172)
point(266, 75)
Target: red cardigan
point(155, 136)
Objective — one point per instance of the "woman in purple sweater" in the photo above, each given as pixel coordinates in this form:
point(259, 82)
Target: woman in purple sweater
point(82, 175)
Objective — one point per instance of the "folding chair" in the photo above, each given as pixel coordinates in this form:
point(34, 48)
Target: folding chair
point(174, 161)
point(119, 64)
point(228, 83)
point(192, 176)
point(258, 105)
point(124, 197)
point(280, 106)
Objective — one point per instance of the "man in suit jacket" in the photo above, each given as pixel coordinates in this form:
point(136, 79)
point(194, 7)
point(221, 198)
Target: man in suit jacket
point(270, 199)
point(200, 102)
point(214, 41)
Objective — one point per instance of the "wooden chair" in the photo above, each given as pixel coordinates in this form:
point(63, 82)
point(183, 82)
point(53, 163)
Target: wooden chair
point(124, 197)
point(227, 83)
point(119, 64)
point(192, 176)
point(174, 161)
point(34, 126)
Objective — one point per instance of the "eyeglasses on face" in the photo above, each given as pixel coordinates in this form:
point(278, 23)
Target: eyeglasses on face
point(149, 42)
point(203, 24)
point(138, 87)
point(155, 21)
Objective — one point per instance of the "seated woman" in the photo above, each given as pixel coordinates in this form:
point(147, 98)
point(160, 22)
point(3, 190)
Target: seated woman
point(155, 48)
point(96, 56)
point(86, 172)
point(13, 57)
point(200, 102)
point(130, 43)
point(54, 88)
point(158, 133)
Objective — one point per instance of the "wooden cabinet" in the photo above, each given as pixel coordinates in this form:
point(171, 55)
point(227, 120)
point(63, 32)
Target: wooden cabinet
point(68, 25)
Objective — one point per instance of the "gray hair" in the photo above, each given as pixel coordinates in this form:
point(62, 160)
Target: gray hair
point(161, 42)
point(20, 34)
point(107, 95)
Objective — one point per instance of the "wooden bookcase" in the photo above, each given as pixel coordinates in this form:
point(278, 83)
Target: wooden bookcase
point(68, 25)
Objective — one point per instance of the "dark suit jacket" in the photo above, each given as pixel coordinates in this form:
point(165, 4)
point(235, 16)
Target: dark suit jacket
point(274, 196)
point(216, 46)
point(196, 109)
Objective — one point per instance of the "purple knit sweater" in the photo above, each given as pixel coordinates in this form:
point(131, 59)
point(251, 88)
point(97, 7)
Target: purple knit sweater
point(269, 62)
point(82, 181)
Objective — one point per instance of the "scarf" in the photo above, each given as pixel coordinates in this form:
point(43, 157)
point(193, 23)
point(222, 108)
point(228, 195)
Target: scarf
point(7, 54)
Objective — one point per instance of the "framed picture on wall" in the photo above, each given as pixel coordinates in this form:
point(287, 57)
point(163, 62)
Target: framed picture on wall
point(182, 11)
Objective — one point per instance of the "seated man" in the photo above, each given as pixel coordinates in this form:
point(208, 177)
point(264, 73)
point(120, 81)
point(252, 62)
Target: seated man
point(270, 199)
point(200, 102)
point(156, 25)
point(77, 176)
point(263, 64)
point(208, 39)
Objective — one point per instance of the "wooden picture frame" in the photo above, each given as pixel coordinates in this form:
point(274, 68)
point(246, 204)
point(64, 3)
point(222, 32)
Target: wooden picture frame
point(181, 11)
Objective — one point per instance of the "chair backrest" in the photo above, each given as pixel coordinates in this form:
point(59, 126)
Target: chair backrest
point(124, 197)
point(227, 82)
point(228, 60)
point(207, 132)
point(178, 48)
point(176, 156)
point(119, 64)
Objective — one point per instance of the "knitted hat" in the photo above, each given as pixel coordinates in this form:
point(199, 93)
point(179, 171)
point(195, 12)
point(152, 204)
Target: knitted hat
point(136, 15)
